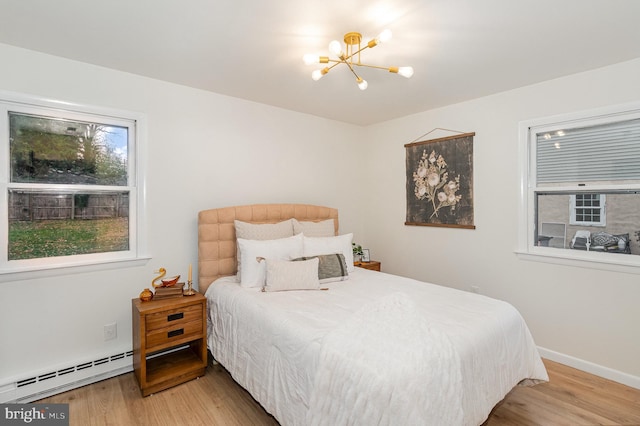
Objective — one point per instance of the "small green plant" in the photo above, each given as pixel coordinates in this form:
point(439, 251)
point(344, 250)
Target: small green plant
point(357, 249)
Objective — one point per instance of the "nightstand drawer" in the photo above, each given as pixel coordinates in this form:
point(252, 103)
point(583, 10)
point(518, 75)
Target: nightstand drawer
point(172, 317)
point(174, 333)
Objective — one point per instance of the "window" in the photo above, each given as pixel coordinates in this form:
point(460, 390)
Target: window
point(582, 172)
point(70, 192)
point(588, 210)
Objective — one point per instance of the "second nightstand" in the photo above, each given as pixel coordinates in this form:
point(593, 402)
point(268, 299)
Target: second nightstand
point(373, 265)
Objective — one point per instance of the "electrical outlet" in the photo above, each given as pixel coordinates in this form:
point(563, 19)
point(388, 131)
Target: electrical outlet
point(475, 289)
point(110, 331)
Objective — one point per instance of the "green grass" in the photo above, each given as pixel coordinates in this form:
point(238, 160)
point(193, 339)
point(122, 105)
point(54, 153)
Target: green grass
point(47, 238)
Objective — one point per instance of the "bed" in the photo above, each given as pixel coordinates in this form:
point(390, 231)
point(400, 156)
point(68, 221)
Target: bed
point(362, 347)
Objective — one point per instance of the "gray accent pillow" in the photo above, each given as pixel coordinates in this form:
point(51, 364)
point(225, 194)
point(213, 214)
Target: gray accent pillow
point(331, 267)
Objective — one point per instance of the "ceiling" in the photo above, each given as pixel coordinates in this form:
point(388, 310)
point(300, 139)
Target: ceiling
point(252, 49)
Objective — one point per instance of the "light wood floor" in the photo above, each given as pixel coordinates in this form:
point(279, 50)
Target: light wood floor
point(571, 398)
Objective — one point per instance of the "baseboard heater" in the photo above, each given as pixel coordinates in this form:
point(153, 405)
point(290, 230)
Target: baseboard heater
point(44, 385)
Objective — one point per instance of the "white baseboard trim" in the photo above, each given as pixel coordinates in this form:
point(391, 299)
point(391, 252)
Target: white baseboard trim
point(590, 367)
point(41, 384)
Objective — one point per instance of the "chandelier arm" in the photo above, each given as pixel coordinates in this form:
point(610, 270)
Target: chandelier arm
point(335, 62)
point(343, 60)
point(373, 66)
point(352, 70)
point(352, 64)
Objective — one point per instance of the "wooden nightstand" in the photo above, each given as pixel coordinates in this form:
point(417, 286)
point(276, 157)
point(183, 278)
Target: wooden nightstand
point(373, 265)
point(169, 341)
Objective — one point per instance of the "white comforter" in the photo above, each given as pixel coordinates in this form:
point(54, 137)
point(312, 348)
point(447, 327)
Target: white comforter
point(376, 349)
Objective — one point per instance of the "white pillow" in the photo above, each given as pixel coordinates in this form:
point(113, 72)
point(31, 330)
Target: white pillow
point(252, 270)
point(261, 231)
point(325, 228)
point(314, 246)
point(284, 275)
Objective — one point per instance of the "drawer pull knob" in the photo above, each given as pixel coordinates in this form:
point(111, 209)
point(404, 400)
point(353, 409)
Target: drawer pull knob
point(174, 317)
point(175, 333)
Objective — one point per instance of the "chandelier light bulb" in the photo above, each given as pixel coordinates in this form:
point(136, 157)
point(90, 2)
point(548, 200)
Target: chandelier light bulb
point(362, 84)
point(384, 36)
point(310, 59)
point(406, 72)
point(336, 48)
point(318, 74)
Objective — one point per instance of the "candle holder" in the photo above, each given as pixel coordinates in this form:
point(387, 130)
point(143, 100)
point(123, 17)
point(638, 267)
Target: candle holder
point(189, 291)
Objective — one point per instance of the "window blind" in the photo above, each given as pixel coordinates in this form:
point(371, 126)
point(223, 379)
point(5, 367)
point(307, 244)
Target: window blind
point(605, 153)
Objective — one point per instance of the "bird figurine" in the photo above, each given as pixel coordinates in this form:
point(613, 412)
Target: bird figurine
point(164, 282)
point(162, 273)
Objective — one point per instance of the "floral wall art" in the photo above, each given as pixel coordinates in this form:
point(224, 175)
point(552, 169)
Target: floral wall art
point(440, 182)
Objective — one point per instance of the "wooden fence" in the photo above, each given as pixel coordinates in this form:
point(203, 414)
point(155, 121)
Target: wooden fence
point(26, 206)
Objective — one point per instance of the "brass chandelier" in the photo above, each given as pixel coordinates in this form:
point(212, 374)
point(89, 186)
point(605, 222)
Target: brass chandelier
point(350, 56)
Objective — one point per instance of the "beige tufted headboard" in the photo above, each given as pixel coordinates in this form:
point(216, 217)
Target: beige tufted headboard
point(217, 233)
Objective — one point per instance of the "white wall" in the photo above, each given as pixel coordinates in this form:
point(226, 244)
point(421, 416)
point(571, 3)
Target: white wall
point(588, 314)
point(204, 151)
point(207, 150)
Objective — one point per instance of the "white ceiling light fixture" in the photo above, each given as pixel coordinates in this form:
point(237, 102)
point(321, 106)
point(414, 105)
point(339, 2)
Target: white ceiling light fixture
point(350, 56)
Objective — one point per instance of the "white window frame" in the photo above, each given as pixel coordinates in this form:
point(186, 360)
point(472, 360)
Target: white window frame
point(34, 268)
point(603, 212)
point(527, 248)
